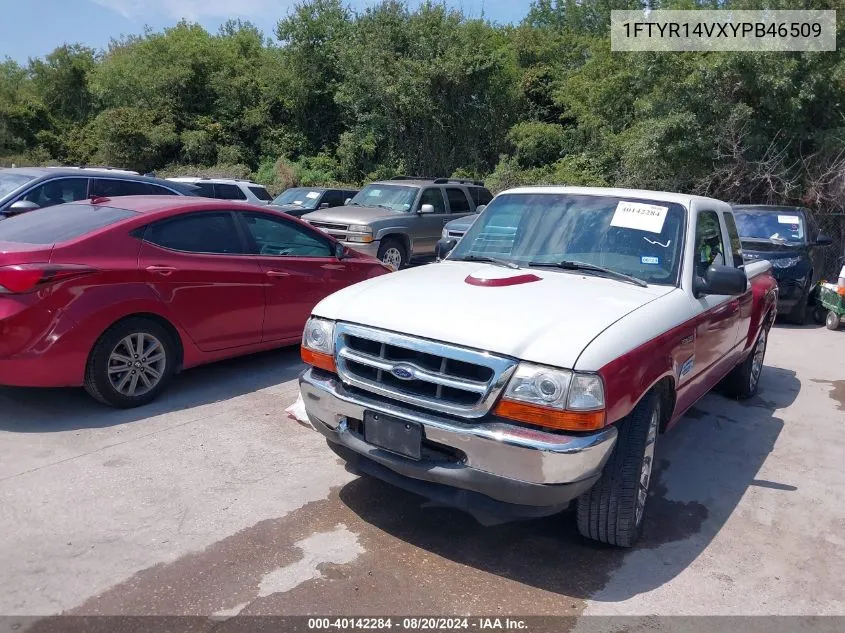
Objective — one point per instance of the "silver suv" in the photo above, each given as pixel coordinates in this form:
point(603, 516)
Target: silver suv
point(399, 219)
point(227, 189)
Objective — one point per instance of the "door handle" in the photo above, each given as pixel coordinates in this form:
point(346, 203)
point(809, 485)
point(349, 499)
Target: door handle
point(277, 273)
point(161, 270)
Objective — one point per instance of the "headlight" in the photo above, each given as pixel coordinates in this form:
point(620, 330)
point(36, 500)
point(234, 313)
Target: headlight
point(362, 239)
point(359, 228)
point(444, 233)
point(539, 385)
point(786, 262)
point(554, 398)
point(318, 344)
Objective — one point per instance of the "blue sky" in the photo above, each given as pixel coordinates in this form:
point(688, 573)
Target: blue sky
point(32, 28)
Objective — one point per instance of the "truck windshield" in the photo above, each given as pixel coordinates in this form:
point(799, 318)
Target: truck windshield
point(639, 238)
point(776, 226)
point(393, 197)
point(300, 196)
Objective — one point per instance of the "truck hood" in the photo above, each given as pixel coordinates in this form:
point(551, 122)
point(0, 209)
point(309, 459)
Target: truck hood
point(349, 215)
point(461, 224)
point(543, 316)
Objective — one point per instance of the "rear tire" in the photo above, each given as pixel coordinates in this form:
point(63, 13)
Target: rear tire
point(833, 320)
point(393, 253)
point(612, 511)
point(744, 380)
point(131, 363)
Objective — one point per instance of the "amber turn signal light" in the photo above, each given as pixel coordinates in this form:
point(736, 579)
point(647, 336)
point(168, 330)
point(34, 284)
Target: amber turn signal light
point(551, 418)
point(318, 359)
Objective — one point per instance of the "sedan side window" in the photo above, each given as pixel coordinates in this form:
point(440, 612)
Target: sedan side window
point(434, 197)
point(278, 237)
point(58, 191)
point(213, 233)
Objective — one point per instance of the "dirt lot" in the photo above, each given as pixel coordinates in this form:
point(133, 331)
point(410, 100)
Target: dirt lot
point(212, 501)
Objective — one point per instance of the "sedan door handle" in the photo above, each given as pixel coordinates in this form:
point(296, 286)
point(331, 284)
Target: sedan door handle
point(277, 273)
point(161, 270)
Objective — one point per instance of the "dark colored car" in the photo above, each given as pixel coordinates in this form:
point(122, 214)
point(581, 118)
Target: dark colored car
point(789, 238)
point(117, 295)
point(298, 201)
point(28, 188)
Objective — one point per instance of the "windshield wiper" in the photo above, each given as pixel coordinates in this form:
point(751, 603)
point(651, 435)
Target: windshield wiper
point(487, 260)
point(572, 265)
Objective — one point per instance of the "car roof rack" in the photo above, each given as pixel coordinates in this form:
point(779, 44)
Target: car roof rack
point(442, 181)
point(459, 181)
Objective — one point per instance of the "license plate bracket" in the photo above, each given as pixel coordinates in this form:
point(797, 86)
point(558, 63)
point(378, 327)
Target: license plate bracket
point(393, 434)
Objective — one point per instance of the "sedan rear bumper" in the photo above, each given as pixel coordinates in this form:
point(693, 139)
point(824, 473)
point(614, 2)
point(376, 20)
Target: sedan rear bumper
point(490, 457)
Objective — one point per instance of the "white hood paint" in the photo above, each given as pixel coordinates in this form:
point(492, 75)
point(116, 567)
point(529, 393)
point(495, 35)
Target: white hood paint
point(549, 321)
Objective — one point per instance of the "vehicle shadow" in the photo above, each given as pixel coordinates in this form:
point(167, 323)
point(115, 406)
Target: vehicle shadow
point(704, 466)
point(35, 410)
point(810, 324)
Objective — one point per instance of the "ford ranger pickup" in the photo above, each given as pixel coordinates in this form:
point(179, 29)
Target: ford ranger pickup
point(522, 376)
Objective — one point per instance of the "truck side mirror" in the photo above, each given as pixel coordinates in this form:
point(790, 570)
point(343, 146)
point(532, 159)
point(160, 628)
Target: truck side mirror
point(427, 208)
point(21, 206)
point(720, 280)
point(340, 251)
point(347, 201)
point(444, 246)
point(480, 208)
point(823, 240)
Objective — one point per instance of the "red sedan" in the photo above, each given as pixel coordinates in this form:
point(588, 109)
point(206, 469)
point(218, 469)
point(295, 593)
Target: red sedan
point(118, 295)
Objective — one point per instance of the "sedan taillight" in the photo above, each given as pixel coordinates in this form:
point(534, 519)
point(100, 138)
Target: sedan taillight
point(21, 278)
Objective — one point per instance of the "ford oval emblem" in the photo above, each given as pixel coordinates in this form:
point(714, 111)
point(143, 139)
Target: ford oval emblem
point(402, 372)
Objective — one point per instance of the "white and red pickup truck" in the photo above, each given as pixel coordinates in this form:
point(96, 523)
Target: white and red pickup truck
point(539, 361)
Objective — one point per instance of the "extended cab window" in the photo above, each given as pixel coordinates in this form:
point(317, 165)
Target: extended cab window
point(282, 238)
point(736, 243)
point(212, 233)
point(641, 238)
point(709, 249)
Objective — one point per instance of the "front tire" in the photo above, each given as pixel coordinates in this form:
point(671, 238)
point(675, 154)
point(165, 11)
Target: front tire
point(612, 511)
point(744, 380)
point(392, 252)
point(798, 314)
point(131, 363)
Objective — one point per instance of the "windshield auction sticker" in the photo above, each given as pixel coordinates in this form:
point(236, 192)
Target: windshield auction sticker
point(723, 30)
point(639, 216)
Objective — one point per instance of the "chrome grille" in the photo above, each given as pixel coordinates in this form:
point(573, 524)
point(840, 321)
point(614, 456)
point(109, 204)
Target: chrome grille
point(420, 372)
point(338, 231)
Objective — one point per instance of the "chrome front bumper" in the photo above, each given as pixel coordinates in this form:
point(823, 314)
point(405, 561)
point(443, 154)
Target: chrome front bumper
point(371, 248)
point(497, 459)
